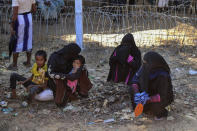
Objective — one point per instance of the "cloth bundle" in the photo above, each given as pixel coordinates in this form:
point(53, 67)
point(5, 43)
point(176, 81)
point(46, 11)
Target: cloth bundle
point(141, 98)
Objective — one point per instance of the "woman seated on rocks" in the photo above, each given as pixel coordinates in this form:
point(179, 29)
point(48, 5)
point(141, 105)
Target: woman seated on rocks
point(124, 61)
point(67, 74)
point(151, 86)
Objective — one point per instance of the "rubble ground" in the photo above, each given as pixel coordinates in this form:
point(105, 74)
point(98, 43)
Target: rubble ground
point(108, 106)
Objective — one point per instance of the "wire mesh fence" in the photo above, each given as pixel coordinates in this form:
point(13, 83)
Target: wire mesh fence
point(107, 25)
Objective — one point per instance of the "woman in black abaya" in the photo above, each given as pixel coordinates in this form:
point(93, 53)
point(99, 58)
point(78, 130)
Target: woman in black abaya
point(151, 85)
point(124, 61)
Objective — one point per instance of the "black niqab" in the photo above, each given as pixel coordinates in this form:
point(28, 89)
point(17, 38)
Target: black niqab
point(61, 61)
point(127, 47)
point(155, 61)
point(128, 40)
point(69, 50)
point(152, 62)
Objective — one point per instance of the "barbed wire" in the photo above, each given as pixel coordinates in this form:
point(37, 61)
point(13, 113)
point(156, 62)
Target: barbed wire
point(107, 25)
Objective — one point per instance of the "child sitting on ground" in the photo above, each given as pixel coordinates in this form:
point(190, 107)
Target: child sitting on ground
point(38, 80)
point(77, 63)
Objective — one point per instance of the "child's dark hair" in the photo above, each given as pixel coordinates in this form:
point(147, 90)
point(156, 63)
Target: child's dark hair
point(81, 59)
point(41, 53)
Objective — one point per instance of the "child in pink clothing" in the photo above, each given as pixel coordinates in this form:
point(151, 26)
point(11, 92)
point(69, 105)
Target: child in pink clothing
point(77, 63)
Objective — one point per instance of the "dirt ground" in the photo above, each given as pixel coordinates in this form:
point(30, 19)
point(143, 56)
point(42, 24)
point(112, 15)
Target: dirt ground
point(106, 100)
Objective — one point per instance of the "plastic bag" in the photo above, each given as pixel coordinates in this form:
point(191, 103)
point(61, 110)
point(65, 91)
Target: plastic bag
point(46, 95)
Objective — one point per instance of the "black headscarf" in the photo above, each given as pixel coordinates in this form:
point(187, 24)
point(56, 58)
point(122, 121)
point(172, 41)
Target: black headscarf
point(69, 51)
point(155, 61)
point(61, 61)
point(127, 47)
point(152, 62)
point(128, 40)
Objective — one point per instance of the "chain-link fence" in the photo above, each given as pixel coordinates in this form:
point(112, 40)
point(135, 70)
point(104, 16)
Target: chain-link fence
point(107, 25)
